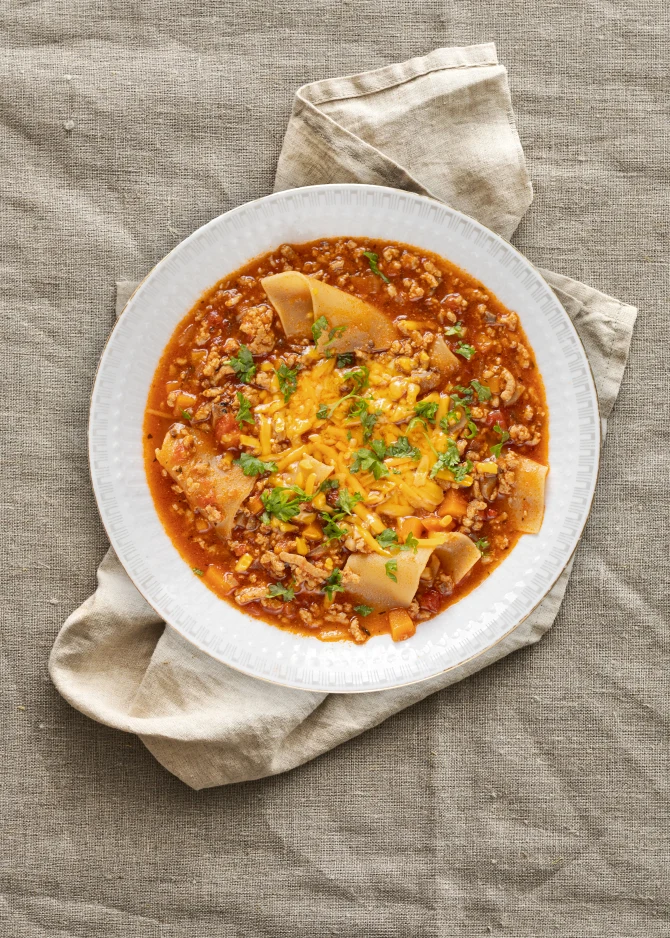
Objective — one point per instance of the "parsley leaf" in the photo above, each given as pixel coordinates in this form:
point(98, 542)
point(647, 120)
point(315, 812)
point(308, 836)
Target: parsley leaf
point(403, 447)
point(467, 351)
point(243, 365)
point(279, 591)
point(185, 414)
point(318, 328)
point(197, 571)
point(379, 449)
point(331, 529)
point(369, 461)
point(244, 414)
point(504, 437)
point(372, 261)
point(363, 610)
point(282, 503)
point(333, 584)
point(426, 409)
point(411, 543)
point(391, 567)
point(472, 427)
point(251, 466)
point(345, 359)
point(323, 413)
point(347, 500)
point(459, 472)
point(450, 460)
point(456, 329)
point(327, 485)
point(482, 545)
point(368, 420)
point(483, 392)
point(359, 377)
point(387, 538)
point(288, 381)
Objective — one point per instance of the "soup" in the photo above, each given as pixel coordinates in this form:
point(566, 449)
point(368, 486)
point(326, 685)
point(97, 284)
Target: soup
point(345, 437)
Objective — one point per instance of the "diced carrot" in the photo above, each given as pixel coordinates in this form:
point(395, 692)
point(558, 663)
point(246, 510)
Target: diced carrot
point(255, 505)
point(454, 504)
point(220, 580)
point(431, 523)
point(401, 624)
point(408, 526)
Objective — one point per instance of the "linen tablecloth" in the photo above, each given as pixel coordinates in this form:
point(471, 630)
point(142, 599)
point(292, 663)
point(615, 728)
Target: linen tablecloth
point(530, 800)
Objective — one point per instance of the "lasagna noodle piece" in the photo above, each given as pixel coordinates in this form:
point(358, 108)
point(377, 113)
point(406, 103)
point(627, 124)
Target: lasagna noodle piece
point(375, 587)
point(525, 506)
point(216, 492)
point(458, 555)
point(301, 300)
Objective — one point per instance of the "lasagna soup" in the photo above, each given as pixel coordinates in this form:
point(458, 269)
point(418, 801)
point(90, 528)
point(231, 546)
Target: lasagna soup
point(345, 437)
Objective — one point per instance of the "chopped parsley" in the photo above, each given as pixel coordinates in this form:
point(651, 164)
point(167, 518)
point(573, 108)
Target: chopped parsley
point(391, 567)
point(403, 447)
point(368, 419)
point(482, 545)
point(496, 449)
point(327, 485)
point(387, 538)
point(197, 571)
point(363, 610)
point(371, 460)
point(467, 351)
point(282, 503)
point(279, 591)
point(450, 460)
point(333, 584)
point(373, 261)
point(288, 381)
point(185, 414)
point(359, 377)
point(472, 430)
point(319, 326)
point(345, 359)
point(426, 409)
point(323, 413)
point(456, 329)
point(331, 529)
point(483, 392)
point(244, 414)
point(347, 500)
point(243, 365)
point(411, 543)
point(251, 466)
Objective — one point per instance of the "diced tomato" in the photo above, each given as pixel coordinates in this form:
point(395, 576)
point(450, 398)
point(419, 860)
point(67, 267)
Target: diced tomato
point(491, 513)
point(214, 318)
point(497, 417)
point(430, 600)
point(226, 426)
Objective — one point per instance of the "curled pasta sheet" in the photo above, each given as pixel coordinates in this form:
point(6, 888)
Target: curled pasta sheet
point(442, 358)
point(305, 467)
point(212, 488)
point(525, 506)
point(375, 587)
point(301, 300)
point(458, 555)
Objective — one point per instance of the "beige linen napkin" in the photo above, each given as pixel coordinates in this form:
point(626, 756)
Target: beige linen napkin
point(442, 126)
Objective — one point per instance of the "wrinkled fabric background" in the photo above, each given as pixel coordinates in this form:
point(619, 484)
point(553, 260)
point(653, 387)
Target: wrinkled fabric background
point(530, 800)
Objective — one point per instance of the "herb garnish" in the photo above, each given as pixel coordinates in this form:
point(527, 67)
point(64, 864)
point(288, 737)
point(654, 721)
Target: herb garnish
point(347, 500)
point(345, 360)
point(467, 351)
point(426, 409)
point(323, 413)
point(185, 414)
point(333, 584)
point(331, 529)
point(372, 261)
point(496, 449)
point(363, 610)
point(482, 545)
point(411, 543)
point(403, 447)
point(483, 392)
point(391, 567)
point(197, 571)
point(371, 460)
point(282, 503)
point(288, 381)
point(244, 414)
point(279, 591)
point(243, 365)
point(387, 538)
point(450, 460)
point(456, 329)
point(251, 466)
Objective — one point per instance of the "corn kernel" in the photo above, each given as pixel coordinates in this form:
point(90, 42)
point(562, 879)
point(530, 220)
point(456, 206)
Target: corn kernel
point(243, 563)
point(404, 364)
point(489, 468)
point(301, 546)
point(312, 532)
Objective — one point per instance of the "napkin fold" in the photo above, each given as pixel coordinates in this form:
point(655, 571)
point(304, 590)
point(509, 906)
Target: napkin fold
point(441, 125)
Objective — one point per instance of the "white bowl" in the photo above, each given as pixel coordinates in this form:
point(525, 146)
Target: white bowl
point(119, 397)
